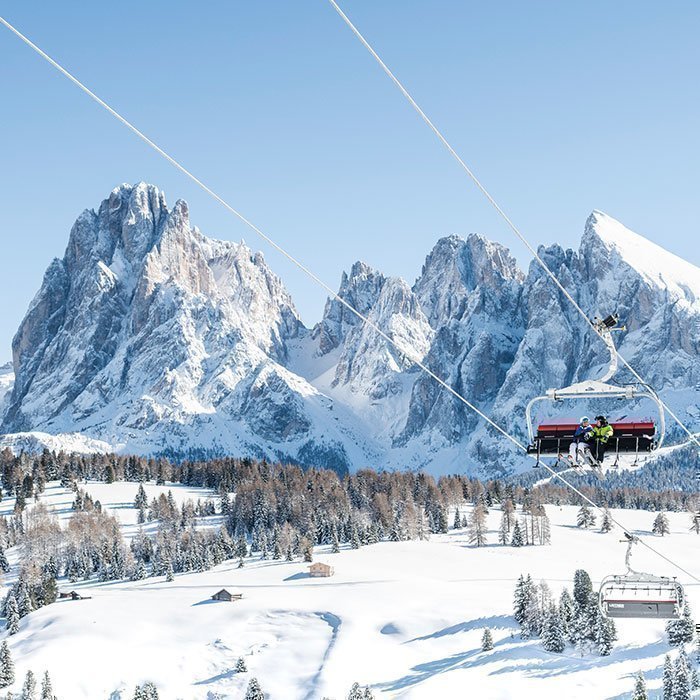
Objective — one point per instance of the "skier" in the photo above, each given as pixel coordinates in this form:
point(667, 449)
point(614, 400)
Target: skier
point(602, 432)
point(579, 446)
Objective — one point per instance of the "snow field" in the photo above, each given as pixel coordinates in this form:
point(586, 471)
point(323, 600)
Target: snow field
point(405, 617)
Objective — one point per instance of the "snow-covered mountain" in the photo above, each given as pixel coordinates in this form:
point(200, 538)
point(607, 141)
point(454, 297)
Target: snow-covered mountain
point(147, 336)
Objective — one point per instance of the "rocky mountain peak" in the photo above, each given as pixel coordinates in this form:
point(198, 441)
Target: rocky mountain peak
point(361, 289)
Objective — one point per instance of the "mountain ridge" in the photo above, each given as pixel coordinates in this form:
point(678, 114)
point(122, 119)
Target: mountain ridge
point(151, 337)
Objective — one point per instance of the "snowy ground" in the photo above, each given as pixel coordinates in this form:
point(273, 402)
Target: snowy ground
point(406, 618)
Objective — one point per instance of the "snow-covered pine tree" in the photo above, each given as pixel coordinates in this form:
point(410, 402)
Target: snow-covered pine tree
point(141, 500)
point(640, 688)
point(606, 634)
point(694, 679)
point(149, 691)
point(504, 530)
point(486, 640)
point(566, 611)
point(46, 688)
point(4, 564)
point(139, 573)
point(457, 521)
point(605, 526)
point(240, 666)
point(667, 682)
point(661, 526)
point(169, 573)
point(553, 638)
point(681, 631)
point(7, 666)
point(585, 517)
point(12, 614)
point(521, 598)
point(29, 687)
point(582, 588)
point(681, 678)
point(357, 692)
point(540, 599)
point(517, 539)
point(254, 691)
point(477, 526)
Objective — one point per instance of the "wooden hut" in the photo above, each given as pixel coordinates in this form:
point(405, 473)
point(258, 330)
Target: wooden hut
point(318, 568)
point(226, 596)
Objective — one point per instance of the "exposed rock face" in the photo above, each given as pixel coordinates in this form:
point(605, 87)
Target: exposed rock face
point(147, 336)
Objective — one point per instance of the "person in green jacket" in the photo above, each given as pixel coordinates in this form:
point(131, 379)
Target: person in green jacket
point(602, 432)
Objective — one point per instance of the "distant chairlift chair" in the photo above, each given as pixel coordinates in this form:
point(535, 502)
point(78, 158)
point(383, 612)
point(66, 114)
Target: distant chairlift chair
point(639, 595)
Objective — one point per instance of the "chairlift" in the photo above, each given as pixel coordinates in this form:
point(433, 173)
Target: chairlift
point(640, 595)
point(630, 435)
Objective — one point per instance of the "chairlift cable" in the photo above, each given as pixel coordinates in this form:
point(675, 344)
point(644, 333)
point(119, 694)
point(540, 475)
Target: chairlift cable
point(493, 202)
point(313, 276)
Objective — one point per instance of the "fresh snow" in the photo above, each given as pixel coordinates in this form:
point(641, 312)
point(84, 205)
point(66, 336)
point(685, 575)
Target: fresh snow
point(659, 266)
point(405, 617)
point(150, 338)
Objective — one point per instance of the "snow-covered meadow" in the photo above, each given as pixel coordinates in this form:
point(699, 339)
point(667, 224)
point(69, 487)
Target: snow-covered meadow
point(405, 618)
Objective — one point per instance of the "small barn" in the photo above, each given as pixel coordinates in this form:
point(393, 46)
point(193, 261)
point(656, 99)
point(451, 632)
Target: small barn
point(318, 568)
point(226, 596)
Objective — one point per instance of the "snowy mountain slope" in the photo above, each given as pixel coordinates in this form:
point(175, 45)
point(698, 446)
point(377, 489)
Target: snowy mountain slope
point(150, 337)
point(409, 616)
point(7, 380)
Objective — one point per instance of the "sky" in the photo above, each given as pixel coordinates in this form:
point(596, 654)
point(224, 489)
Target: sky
point(559, 108)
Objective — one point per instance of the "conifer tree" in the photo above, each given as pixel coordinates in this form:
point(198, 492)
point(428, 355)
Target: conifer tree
point(605, 526)
point(357, 692)
point(4, 564)
point(694, 679)
point(681, 631)
point(7, 666)
point(640, 688)
point(517, 538)
point(583, 588)
point(553, 631)
point(169, 573)
point(606, 633)
point(12, 614)
point(585, 517)
point(661, 526)
point(29, 687)
point(566, 611)
point(241, 665)
point(254, 691)
point(667, 682)
point(521, 599)
point(486, 640)
point(308, 553)
point(46, 688)
point(141, 500)
point(458, 520)
point(681, 678)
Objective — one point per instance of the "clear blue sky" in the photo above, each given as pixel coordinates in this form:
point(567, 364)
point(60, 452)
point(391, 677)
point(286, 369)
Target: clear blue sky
point(560, 107)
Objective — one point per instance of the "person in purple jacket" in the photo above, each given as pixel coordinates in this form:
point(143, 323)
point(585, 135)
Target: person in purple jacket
point(580, 445)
